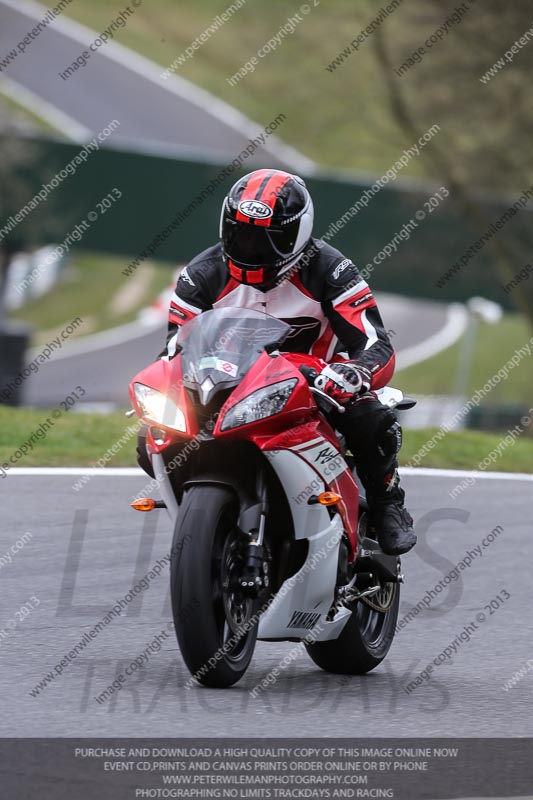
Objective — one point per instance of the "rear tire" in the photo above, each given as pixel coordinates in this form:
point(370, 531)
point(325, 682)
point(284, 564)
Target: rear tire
point(365, 639)
point(211, 617)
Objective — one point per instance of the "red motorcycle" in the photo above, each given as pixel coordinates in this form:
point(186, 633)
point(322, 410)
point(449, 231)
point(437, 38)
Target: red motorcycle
point(268, 513)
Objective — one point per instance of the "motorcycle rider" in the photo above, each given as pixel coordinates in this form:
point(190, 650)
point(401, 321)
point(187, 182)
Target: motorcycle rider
point(267, 260)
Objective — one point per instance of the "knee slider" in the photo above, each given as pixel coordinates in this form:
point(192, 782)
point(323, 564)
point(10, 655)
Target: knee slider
point(391, 439)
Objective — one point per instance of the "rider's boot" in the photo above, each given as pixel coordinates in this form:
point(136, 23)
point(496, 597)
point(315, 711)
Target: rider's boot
point(377, 464)
point(374, 437)
point(391, 523)
point(388, 519)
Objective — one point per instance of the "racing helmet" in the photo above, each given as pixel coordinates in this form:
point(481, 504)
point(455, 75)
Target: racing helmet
point(265, 225)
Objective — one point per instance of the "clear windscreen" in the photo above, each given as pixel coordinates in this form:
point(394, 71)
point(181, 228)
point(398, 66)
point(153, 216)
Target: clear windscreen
point(220, 346)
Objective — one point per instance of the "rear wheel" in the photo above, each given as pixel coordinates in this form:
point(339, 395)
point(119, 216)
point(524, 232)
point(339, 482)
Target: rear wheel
point(365, 639)
point(214, 621)
point(367, 636)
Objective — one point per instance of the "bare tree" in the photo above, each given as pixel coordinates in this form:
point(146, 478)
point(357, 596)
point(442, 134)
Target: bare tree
point(484, 148)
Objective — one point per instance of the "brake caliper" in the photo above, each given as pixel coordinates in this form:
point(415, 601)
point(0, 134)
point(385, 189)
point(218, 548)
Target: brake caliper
point(254, 577)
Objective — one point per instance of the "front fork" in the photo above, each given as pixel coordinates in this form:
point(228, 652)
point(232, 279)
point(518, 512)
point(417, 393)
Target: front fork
point(252, 523)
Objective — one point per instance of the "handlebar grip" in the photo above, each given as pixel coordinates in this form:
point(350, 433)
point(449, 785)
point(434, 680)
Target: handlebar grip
point(310, 374)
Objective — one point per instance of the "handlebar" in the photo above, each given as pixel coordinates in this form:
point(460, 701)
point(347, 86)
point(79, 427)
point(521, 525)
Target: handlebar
point(311, 375)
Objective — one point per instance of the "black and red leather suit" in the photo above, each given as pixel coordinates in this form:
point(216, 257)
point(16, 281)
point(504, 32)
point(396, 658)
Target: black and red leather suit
point(331, 310)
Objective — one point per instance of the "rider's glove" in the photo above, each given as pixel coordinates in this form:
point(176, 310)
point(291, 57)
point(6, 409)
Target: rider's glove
point(344, 382)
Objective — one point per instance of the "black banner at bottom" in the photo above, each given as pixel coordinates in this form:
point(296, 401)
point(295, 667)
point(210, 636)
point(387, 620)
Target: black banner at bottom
point(126, 769)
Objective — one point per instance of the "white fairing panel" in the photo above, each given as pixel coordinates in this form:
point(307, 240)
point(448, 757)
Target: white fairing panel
point(304, 599)
point(300, 606)
point(299, 482)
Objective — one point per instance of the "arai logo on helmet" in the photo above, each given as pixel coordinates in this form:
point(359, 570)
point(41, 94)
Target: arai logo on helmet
point(255, 209)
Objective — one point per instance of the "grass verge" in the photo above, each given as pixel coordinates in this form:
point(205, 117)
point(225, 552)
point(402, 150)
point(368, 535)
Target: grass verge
point(354, 128)
point(82, 439)
point(494, 346)
point(92, 287)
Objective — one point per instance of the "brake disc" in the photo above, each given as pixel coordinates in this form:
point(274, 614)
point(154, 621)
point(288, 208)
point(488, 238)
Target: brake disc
point(238, 609)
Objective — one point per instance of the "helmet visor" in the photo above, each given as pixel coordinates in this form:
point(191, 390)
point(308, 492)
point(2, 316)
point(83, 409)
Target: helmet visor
point(256, 245)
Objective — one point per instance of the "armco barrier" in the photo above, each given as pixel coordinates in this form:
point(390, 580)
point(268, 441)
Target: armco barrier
point(158, 190)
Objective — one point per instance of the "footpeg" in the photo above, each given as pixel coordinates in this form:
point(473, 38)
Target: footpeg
point(371, 558)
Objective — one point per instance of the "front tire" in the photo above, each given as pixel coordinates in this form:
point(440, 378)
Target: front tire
point(365, 639)
point(214, 621)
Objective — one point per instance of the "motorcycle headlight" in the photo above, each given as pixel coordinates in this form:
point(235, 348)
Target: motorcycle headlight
point(263, 403)
point(159, 408)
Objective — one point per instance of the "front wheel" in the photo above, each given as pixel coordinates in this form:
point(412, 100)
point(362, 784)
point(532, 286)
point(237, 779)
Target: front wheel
point(366, 638)
point(214, 621)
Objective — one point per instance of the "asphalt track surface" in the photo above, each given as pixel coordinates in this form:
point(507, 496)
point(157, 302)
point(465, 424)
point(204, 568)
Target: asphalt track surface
point(105, 373)
point(463, 698)
point(118, 84)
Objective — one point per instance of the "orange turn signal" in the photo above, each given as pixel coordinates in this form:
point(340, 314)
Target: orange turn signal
point(143, 504)
point(328, 498)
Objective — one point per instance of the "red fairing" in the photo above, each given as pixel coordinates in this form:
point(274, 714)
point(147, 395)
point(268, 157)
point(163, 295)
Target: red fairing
point(304, 360)
point(167, 377)
point(273, 434)
point(346, 486)
point(299, 423)
point(265, 372)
